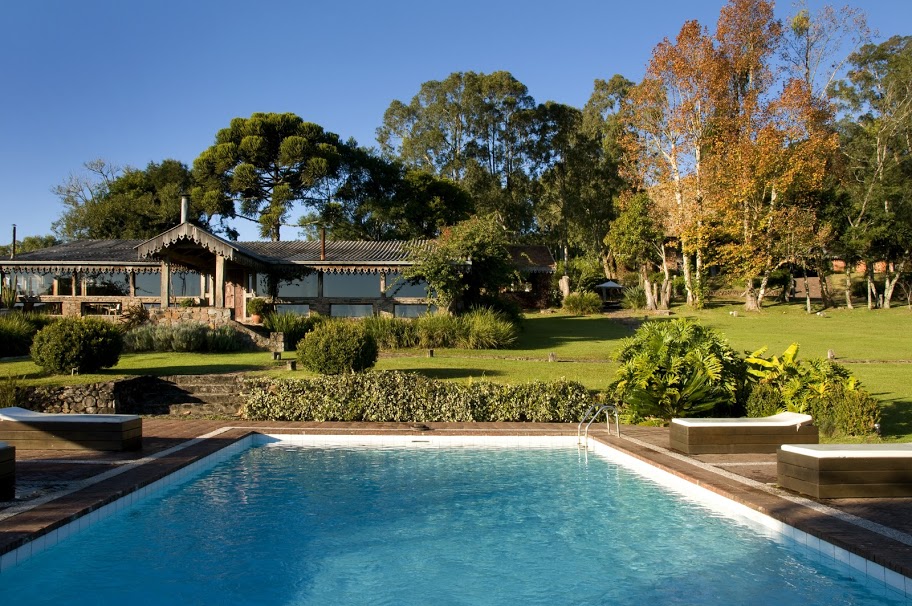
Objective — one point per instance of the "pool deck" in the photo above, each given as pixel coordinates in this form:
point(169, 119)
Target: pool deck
point(58, 487)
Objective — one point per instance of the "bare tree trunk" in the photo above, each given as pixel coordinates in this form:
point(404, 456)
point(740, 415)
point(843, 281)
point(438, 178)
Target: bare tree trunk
point(698, 280)
point(891, 280)
point(688, 279)
point(648, 286)
point(872, 288)
point(750, 297)
point(807, 290)
point(762, 294)
point(825, 294)
point(848, 286)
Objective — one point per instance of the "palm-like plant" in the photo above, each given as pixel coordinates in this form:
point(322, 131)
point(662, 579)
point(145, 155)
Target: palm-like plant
point(676, 369)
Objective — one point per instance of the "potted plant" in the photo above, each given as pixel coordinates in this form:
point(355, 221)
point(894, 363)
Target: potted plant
point(256, 307)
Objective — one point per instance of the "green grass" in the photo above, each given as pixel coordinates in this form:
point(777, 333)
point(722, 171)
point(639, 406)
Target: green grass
point(872, 344)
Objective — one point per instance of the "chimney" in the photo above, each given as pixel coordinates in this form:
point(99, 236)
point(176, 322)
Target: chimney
point(322, 242)
point(13, 247)
point(185, 208)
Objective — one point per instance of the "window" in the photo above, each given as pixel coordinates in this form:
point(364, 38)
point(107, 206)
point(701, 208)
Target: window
point(351, 311)
point(303, 310)
point(302, 287)
point(412, 311)
point(351, 285)
point(148, 285)
point(396, 286)
point(108, 284)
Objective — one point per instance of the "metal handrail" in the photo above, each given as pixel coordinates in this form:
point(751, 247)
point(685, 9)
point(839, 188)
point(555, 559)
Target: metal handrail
point(606, 408)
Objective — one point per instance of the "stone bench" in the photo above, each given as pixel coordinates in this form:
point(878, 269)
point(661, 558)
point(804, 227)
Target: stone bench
point(7, 472)
point(747, 435)
point(29, 430)
point(831, 471)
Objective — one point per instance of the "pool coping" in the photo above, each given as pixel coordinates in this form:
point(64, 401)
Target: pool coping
point(29, 529)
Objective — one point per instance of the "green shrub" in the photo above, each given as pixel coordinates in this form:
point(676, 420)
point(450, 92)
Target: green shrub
point(293, 326)
point(634, 297)
point(391, 396)
point(390, 332)
point(8, 297)
point(336, 347)
point(846, 410)
point(484, 328)
point(583, 303)
point(764, 400)
point(10, 392)
point(16, 334)
point(192, 337)
point(84, 344)
point(256, 306)
point(438, 329)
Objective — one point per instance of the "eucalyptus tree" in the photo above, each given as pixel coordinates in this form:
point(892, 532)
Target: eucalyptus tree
point(876, 98)
point(473, 129)
point(260, 167)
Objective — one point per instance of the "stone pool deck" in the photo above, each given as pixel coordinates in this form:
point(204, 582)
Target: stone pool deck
point(58, 487)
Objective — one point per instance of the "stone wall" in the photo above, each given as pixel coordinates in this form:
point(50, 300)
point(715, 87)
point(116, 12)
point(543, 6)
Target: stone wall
point(93, 398)
point(213, 316)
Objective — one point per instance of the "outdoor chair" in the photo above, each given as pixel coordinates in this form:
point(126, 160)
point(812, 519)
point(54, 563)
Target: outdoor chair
point(30, 430)
point(828, 471)
point(745, 435)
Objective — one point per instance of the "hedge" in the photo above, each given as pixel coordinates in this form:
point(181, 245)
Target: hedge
point(393, 396)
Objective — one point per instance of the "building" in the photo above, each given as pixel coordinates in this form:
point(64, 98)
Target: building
point(188, 267)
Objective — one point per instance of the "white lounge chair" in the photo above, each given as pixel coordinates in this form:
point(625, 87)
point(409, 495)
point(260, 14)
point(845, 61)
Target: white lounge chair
point(829, 471)
point(754, 435)
point(30, 430)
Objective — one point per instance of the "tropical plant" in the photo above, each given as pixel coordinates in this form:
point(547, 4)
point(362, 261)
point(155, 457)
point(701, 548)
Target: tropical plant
point(8, 297)
point(292, 326)
point(484, 328)
point(634, 298)
point(676, 369)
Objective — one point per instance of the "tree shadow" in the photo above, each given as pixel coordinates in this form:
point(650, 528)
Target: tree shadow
point(183, 369)
point(554, 331)
point(896, 418)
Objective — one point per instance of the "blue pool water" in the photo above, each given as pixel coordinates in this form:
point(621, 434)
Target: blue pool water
point(284, 525)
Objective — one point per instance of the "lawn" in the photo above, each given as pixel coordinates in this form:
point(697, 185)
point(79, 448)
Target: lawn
point(874, 345)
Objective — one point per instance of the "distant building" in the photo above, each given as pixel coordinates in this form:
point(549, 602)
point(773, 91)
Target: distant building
point(188, 266)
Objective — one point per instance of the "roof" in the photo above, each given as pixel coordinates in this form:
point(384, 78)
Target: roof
point(191, 246)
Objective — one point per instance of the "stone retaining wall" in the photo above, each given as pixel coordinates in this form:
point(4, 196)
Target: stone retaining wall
point(213, 316)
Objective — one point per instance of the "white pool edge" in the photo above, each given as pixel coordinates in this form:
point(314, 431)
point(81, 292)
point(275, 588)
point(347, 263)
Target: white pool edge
point(717, 502)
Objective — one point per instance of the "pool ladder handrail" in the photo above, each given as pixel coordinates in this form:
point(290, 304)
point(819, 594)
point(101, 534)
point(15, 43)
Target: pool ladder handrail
point(591, 416)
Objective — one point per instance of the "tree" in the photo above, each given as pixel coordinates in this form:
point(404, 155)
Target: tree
point(638, 242)
point(126, 203)
point(876, 133)
point(259, 167)
point(378, 199)
point(28, 244)
point(667, 119)
point(473, 129)
point(468, 262)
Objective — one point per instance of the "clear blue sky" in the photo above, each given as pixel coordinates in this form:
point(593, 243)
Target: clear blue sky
point(134, 81)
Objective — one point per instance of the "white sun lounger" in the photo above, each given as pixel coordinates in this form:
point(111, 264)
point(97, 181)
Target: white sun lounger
point(729, 436)
point(828, 471)
point(30, 430)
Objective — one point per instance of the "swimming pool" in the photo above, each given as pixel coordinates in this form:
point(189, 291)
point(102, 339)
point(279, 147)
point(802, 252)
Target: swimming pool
point(423, 523)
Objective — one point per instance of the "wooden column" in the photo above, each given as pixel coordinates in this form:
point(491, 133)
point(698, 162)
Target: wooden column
point(165, 283)
point(131, 279)
point(383, 284)
point(219, 281)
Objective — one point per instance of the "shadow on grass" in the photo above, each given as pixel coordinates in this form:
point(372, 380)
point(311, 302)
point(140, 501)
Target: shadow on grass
point(896, 419)
point(554, 331)
point(184, 369)
point(453, 373)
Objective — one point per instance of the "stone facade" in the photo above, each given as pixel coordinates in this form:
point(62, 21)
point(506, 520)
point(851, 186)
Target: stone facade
point(213, 316)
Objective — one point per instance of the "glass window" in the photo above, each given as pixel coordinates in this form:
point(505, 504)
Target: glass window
point(351, 311)
point(148, 285)
point(185, 284)
point(34, 285)
point(303, 310)
point(303, 287)
point(396, 286)
point(351, 285)
point(108, 284)
point(412, 311)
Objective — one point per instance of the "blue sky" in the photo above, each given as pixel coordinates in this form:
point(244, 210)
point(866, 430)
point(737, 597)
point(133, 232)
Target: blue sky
point(134, 81)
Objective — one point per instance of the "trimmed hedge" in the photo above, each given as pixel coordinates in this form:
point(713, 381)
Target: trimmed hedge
point(393, 396)
point(83, 344)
